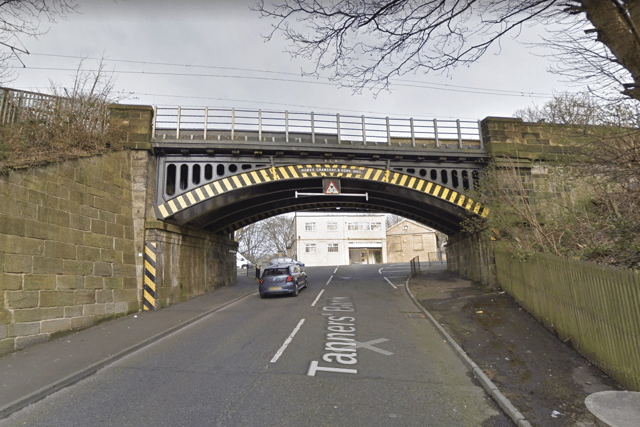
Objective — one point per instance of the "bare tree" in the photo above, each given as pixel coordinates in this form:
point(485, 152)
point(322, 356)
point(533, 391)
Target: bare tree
point(20, 18)
point(252, 242)
point(367, 42)
point(280, 232)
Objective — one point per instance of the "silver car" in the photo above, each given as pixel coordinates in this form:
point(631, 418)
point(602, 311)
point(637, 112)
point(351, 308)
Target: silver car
point(282, 279)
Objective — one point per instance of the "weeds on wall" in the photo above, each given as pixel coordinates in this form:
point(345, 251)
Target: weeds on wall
point(72, 122)
point(587, 207)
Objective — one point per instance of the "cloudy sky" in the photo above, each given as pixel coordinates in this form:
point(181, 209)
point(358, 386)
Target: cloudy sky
point(212, 53)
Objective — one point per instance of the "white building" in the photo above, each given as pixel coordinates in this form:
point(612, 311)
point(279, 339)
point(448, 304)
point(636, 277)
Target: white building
point(340, 239)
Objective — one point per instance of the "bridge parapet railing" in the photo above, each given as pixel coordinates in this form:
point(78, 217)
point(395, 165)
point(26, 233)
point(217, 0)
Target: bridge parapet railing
point(203, 123)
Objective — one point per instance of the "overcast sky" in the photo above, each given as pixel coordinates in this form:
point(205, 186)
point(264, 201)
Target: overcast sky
point(212, 53)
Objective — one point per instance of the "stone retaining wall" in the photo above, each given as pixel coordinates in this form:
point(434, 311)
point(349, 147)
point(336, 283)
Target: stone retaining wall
point(67, 256)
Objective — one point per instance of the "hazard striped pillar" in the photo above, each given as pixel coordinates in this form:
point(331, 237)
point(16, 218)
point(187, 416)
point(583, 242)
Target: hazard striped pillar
point(149, 286)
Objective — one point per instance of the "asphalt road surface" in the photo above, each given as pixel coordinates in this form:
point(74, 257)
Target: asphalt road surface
point(351, 350)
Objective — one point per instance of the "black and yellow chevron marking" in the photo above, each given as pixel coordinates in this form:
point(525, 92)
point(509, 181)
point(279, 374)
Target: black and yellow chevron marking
point(262, 176)
point(149, 285)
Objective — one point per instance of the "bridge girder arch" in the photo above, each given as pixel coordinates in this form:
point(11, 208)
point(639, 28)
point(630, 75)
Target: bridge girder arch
point(227, 204)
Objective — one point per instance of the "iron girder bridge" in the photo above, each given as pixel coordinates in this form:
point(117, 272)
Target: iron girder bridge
point(221, 169)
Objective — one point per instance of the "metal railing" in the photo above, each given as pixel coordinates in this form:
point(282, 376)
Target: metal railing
point(312, 127)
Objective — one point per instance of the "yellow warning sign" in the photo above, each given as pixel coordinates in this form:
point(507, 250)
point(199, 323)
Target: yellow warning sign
point(331, 188)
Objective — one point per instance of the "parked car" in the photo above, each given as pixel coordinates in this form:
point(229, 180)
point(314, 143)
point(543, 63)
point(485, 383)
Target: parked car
point(285, 260)
point(282, 279)
point(242, 262)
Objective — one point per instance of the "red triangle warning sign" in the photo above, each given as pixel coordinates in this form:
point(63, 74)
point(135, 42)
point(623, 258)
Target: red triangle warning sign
point(331, 189)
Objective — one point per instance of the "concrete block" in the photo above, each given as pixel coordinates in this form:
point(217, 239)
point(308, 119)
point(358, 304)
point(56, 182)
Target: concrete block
point(88, 210)
point(22, 299)
point(104, 296)
point(107, 213)
point(47, 265)
point(3, 332)
point(12, 225)
point(93, 310)
point(82, 322)
point(7, 346)
point(83, 297)
point(21, 245)
point(110, 308)
point(85, 253)
point(103, 269)
point(15, 263)
point(37, 230)
point(113, 283)
point(93, 282)
point(23, 329)
point(28, 341)
point(69, 282)
point(98, 226)
point(111, 256)
point(10, 282)
point(115, 230)
point(57, 249)
point(74, 311)
point(129, 282)
point(56, 298)
point(98, 240)
point(55, 325)
point(37, 314)
point(124, 270)
point(122, 307)
point(77, 268)
point(53, 216)
point(125, 295)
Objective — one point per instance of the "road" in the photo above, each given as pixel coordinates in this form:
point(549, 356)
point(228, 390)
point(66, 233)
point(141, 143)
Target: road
point(351, 350)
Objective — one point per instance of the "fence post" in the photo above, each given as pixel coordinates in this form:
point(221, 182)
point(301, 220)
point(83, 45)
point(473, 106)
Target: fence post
point(313, 130)
point(286, 126)
point(206, 121)
point(338, 128)
point(233, 123)
point(435, 132)
point(413, 134)
point(178, 123)
point(259, 125)
point(388, 132)
point(459, 133)
point(364, 131)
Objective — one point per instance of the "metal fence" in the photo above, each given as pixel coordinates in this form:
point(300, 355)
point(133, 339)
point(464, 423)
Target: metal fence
point(19, 106)
point(208, 121)
point(595, 308)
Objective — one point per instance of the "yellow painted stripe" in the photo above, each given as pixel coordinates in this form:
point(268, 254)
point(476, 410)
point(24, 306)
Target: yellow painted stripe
point(209, 190)
point(403, 180)
point(421, 183)
point(428, 188)
point(293, 172)
point(150, 254)
point(163, 211)
point(368, 173)
point(191, 198)
point(395, 178)
point(236, 181)
point(218, 187)
point(477, 208)
point(200, 194)
point(284, 173)
point(256, 177)
point(378, 172)
point(181, 202)
point(265, 175)
point(148, 297)
point(485, 212)
point(453, 196)
point(245, 178)
point(444, 193)
point(227, 184)
point(461, 200)
point(149, 283)
point(150, 267)
point(173, 206)
point(469, 205)
point(436, 190)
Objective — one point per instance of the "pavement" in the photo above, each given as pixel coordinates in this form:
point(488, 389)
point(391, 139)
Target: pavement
point(534, 377)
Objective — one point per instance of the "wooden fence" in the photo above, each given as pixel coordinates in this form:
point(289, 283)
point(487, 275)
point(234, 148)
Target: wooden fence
point(595, 308)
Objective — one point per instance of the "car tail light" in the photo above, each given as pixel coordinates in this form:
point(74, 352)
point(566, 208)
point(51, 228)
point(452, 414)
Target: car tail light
point(261, 281)
point(290, 279)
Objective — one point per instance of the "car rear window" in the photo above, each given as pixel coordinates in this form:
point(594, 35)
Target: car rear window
point(276, 272)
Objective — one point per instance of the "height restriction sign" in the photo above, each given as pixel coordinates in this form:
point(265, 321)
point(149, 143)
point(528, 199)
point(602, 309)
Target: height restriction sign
point(331, 186)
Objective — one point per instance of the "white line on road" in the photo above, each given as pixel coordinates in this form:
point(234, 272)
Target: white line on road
point(317, 298)
point(394, 286)
point(369, 345)
point(335, 271)
point(286, 342)
point(328, 280)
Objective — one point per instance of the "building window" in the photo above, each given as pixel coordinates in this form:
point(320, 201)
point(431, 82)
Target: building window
point(360, 226)
point(417, 242)
point(310, 248)
point(310, 226)
point(395, 243)
point(333, 247)
point(332, 226)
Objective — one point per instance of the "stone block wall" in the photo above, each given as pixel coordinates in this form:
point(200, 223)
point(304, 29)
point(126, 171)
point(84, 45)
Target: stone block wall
point(189, 263)
point(67, 256)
